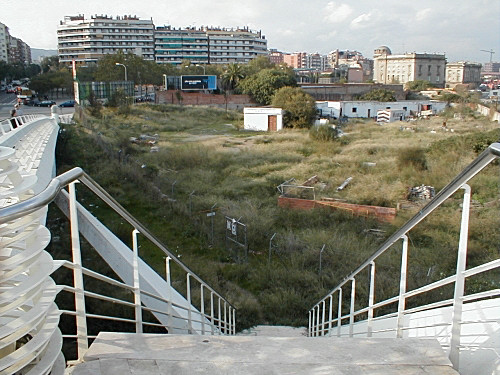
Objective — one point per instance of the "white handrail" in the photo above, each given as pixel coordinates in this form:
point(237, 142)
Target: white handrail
point(317, 321)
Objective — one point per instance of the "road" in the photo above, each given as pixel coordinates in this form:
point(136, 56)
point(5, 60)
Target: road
point(7, 102)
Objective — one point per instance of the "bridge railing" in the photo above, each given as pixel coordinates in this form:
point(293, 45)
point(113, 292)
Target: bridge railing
point(328, 316)
point(9, 125)
point(123, 304)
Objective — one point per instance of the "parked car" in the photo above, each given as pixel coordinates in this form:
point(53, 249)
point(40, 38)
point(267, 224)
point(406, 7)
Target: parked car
point(10, 89)
point(67, 103)
point(33, 102)
point(47, 103)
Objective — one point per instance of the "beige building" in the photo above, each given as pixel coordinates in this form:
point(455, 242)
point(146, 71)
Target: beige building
point(463, 73)
point(389, 68)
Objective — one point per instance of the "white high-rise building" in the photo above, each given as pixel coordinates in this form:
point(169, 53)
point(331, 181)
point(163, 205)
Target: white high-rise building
point(87, 40)
point(4, 40)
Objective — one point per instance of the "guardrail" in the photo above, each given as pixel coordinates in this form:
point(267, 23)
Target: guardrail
point(9, 125)
point(326, 317)
point(211, 313)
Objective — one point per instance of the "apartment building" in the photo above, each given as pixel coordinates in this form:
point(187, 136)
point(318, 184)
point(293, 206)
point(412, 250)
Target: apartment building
point(88, 39)
point(463, 73)
point(208, 45)
point(235, 45)
point(4, 34)
point(173, 45)
point(338, 57)
point(304, 60)
point(276, 57)
point(491, 67)
point(13, 50)
point(18, 51)
point(389, 68)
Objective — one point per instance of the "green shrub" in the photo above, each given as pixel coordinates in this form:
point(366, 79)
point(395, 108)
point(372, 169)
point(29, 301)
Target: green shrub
point(413, 156)
point(323, 133)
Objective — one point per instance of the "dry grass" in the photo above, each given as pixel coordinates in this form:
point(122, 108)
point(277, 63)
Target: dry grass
point(239, 170)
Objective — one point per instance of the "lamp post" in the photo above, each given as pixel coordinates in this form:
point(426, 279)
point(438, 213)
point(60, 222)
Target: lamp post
point(203, 66)
point(124, 68)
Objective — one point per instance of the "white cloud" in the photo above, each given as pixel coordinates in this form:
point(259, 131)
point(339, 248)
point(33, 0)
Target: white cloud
point(423, 14)
point(327, 37)
point(362, 21)
point(336, 13)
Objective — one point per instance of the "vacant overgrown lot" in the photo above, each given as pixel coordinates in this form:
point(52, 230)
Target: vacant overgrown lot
point(205, 160)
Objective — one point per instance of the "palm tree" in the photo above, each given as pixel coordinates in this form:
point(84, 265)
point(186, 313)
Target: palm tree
point(231, 76)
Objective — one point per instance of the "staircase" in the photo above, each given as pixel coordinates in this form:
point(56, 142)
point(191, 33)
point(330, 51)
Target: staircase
point(123, 354)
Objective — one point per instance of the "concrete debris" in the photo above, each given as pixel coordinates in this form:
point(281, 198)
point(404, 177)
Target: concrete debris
point(419, 193)
point(344, 184)
point(369, 164)
point(144, 139)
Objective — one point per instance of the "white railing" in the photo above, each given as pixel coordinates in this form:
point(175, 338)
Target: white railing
point(124, 303)
point(332, 315)
point(9, 125)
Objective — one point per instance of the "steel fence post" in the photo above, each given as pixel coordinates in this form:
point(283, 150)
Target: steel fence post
point(330, 316)
point(402, 287)
point(169, 283)
point(81, 316)
point(371, 299)
point(137, 288)
point(351, 311)
point(202, 310)
point(188, 293)
point(339, 314)
point(460, 281)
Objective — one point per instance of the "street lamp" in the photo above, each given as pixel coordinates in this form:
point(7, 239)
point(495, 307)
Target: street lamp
point(124, 68)
point(203, 66)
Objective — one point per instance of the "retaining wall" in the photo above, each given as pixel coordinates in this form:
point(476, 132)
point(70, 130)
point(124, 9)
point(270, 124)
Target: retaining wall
point(236, 102)
point(380, 213)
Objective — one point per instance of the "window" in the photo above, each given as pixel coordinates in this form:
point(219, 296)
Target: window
point(354, 109)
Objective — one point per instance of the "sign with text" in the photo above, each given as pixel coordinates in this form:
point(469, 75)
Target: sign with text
point(198, 82)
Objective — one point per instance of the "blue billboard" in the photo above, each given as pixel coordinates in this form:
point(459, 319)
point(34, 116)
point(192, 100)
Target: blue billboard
point(198, 82)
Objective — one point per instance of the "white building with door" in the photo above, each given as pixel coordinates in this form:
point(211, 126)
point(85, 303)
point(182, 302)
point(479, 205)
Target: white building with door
point(263, 119)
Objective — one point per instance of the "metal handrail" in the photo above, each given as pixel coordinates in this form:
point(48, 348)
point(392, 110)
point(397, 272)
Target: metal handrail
point(46, 196)
point(486, 157)
point(320, 324)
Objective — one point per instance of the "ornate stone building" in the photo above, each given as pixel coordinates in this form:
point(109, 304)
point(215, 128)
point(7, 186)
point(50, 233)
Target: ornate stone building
point(389, 68)
point(465, 73)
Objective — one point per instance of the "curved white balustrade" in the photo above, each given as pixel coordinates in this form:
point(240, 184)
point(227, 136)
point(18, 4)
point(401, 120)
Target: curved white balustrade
point(29, 337)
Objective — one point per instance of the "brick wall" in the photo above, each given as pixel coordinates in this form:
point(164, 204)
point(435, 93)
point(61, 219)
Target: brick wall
point(380, 213)
point(199, 98)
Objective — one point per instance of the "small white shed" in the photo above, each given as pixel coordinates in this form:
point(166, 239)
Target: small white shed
point(263, 119)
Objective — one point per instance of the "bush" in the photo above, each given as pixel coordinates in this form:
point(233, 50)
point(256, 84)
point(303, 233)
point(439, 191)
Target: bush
point(299, 107)
point(414, 157)
point(323, 133)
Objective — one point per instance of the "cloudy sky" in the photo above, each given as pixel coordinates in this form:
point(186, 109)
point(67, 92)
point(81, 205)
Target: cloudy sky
point(459, 28)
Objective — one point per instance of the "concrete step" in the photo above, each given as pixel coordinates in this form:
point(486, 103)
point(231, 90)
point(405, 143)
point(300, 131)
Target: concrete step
point(154, 354)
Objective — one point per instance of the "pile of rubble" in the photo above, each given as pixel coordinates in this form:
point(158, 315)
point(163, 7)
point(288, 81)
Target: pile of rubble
point(421, 193)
